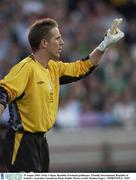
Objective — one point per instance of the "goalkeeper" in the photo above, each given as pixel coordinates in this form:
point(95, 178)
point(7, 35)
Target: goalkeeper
point(31, 89)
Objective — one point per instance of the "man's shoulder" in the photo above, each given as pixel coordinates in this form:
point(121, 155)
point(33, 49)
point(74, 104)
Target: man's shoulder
point(22, 65)
point(25, 61)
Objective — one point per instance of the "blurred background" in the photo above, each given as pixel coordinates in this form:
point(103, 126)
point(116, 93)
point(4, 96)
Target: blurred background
point(95, 129)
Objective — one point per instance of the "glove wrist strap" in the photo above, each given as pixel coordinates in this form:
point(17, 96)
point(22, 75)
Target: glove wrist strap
point(102, 47)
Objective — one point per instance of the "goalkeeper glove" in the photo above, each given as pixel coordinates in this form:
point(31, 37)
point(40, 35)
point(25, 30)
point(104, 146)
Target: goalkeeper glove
point(110, 39)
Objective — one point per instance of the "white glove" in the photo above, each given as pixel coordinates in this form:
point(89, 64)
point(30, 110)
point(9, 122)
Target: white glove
point(110, 39)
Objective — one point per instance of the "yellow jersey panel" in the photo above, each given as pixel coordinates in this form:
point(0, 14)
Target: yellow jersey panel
point(33, 91)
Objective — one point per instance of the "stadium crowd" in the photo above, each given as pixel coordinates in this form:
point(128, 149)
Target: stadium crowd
point(108, 96)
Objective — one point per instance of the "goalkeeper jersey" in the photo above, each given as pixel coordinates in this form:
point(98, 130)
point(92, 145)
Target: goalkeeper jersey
point(33, 91)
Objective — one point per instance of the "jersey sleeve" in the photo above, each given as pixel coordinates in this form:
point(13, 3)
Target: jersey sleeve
point(16, 80)
point(69, 72)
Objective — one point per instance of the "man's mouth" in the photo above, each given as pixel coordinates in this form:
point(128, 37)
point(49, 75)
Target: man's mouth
point(59, 50)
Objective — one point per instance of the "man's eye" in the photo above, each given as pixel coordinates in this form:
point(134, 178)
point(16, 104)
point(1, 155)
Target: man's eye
point(58, 38)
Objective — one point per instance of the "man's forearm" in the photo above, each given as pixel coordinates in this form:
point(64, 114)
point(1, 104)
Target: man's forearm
point(95, 56)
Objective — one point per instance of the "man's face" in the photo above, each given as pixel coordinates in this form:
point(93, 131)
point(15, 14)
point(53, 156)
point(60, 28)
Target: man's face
point(54, 44)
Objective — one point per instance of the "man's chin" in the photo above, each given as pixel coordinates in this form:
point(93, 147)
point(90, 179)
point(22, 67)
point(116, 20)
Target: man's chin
point(57, 56)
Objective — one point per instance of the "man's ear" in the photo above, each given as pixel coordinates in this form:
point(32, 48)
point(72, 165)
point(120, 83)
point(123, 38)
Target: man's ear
point(44, 43)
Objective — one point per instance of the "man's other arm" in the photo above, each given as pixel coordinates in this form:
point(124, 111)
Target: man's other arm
point(3, 100)
point(2, 108)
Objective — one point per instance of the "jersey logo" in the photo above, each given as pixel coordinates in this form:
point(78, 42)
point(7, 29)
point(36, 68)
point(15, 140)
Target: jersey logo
point(40, 82)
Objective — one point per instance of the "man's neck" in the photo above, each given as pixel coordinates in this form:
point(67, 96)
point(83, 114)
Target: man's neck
point(42, 58)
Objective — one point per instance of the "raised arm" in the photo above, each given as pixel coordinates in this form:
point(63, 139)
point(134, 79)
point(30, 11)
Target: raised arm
point(70, 72)
point(113, 35)
point(109, 39)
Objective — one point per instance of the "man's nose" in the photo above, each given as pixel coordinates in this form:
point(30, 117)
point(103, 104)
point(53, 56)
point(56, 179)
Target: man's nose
point(62, 42)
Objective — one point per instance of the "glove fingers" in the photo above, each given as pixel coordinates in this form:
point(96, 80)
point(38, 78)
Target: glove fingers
point(110, 39)
point(118, 36)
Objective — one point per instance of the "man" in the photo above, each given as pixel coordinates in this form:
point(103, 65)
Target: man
point(31, 89)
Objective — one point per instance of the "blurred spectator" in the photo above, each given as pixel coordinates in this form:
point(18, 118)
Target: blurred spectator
point(88, 116)
point(124, 110)
point(68, 114)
